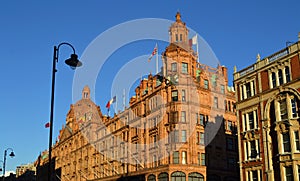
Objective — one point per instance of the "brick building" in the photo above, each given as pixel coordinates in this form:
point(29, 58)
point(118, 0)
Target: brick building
point(267, 94)
point(180, 125)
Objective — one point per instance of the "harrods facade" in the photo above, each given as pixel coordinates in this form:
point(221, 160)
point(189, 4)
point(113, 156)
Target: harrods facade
point(179, 125)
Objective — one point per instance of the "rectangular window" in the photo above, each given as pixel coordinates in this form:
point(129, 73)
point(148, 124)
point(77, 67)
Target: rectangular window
point(183, 117)
point(203, 159)
point(174, 117)
point(202, 138)
point(176, 136)
point(205, 84)
point(176, 35)
point(287, 74)
point(283, 110)
point(183, 135)
point(286, 142)
point(216, 102)
point(175, 157)
point(297, 142)
point(184, 68)
point(253, 150)
point(251, 120)
point(255, 175)
point(180, 37)
point(202, 119)
point(294, 108)
point(174, 67)
point(183, 157)
point(248, 89)
point(280, 77)
point(199, 159)
point(222, 89)
point(174, 95)
point(154, 161)
point(273, 79)
point(289, 173)
point(183, 95)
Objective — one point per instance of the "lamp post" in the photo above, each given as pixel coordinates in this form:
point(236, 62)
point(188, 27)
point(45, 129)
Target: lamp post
point(12, 154)
point(73, 62)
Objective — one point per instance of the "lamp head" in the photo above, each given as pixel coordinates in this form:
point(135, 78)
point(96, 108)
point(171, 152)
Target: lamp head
point(12, 154)
point(73, 61)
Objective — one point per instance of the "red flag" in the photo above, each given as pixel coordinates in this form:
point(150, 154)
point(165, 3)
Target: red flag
point(47, 125)
point(110, 102)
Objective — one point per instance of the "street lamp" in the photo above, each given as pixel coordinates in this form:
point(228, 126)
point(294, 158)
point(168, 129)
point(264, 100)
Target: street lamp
point(12, 154)
point(73, 62)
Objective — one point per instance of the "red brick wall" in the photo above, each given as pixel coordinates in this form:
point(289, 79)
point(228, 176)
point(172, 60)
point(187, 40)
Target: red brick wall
point(264, 80)
point(295, 66)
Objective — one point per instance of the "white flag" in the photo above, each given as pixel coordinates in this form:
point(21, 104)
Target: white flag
point(194, 40)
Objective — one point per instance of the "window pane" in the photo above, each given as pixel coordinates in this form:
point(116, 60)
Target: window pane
point(206, 84)
point(184, 68)
point(286, 142)
point(289, 173)
point(183, 155)
point(248, 90)
point(183, 136)
point(287, 74)
point(294, 107)
point(280, 77)
point(176, 157)
point(175, 95)
point(251, 120)
point(222, 89)
point(273, 79)
point(183, 95)
point(183, 116)
point(174, 67)
point(202, 158)
point(283, 110)
point(297, 143)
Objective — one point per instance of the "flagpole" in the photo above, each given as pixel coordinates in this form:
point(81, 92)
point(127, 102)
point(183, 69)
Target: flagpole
point(197, 48)
point(116, 108)
point(124, 99)
point(156, 59)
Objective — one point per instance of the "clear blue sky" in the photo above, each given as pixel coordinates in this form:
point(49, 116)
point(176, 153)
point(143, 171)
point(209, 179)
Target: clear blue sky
point(236, 31)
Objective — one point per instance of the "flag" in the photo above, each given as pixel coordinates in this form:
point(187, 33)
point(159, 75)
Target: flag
point(195, 40)
point(47, 125)
point(154, 52)
point(110, 102)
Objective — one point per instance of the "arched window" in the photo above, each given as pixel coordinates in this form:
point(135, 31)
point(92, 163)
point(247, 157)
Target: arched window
point(151, 177)
point(178, 176)
point(163, 177)
point(195, 176)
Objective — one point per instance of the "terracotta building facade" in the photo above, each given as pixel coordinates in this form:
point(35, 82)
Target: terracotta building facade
point(180, 125)
point(267, 94)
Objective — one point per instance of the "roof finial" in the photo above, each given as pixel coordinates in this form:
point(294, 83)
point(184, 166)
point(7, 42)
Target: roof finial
point(258, 57)
point(178, 16)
